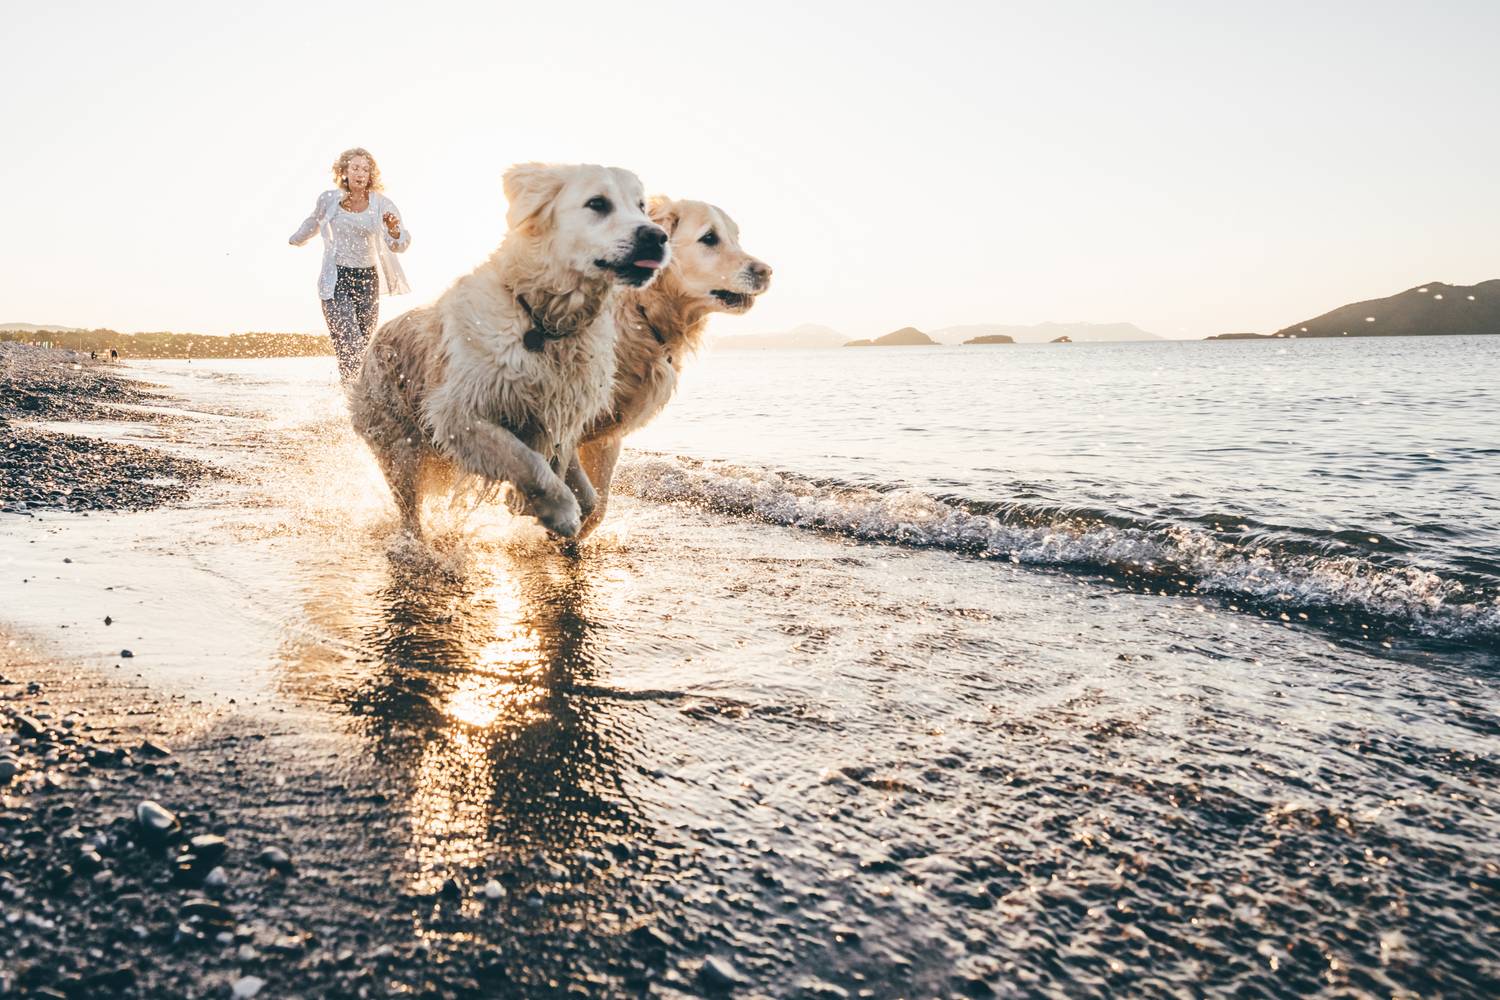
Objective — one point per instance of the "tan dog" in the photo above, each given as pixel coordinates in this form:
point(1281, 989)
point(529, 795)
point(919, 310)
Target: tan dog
point(500, 377)
point(660, 325)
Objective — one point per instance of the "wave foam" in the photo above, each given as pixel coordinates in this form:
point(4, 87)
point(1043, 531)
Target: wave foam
point(1182, 557)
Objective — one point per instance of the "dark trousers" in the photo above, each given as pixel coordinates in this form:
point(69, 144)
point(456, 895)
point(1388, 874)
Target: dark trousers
point(352, 314)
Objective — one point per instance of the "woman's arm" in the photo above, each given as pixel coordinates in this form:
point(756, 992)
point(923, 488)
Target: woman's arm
point(310, 224)
point(391, 215)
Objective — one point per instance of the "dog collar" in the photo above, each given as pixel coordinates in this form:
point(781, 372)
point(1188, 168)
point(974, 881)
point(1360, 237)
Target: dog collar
point(536, 338)
point(650, 325)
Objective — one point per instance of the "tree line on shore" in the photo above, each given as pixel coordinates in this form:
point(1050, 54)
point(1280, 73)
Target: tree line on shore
point(178, 345)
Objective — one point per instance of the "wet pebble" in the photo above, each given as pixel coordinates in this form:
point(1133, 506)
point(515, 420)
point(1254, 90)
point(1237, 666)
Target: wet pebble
point(493, 890)
point(158, 824)
point(150, 749)
point(126, 654)
point(246, 987)
point(719, 974)
point(208, 848)
point(29, 727)
point(216, 879)
point(275, 857)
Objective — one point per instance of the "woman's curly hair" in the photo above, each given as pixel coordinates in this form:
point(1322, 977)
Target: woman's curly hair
point(341, 168)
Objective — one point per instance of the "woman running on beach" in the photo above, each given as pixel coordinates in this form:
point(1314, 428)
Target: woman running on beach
point(361, 230)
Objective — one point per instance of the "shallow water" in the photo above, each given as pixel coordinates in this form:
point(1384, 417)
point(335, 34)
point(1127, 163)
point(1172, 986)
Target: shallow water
point(869, 756)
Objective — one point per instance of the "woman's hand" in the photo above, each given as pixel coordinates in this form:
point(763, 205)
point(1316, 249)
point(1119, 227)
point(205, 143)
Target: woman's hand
point(392, 224)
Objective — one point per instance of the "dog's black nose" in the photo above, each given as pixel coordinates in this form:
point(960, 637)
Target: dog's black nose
point(760, 274)
point(651, 236)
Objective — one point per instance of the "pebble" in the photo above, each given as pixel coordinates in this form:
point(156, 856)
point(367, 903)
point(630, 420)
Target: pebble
point(493, 890)
point(9, 768)
point(149, 749)
point(216, 879)
point(157, 823)
point(275, 857)
point(719, 973)
point(246, 987)
point(126, 654)
point(208, 848)
point(28, 727)
point(451, 889)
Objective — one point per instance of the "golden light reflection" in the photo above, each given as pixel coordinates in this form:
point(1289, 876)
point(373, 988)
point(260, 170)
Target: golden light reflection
point(490, 695)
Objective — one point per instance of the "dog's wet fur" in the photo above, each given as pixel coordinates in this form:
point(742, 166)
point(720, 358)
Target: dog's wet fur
point(451, 390)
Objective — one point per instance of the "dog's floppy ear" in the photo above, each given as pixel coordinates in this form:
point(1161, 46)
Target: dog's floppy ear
point(663, 212)
point(529, 188)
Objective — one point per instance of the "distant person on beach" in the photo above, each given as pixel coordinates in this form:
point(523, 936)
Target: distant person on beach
point(361, 230)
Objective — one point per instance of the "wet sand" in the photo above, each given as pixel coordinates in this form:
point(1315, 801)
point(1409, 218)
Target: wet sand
point(703, 756)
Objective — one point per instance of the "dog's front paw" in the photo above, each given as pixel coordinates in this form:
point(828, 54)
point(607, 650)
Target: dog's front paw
point(557, 509)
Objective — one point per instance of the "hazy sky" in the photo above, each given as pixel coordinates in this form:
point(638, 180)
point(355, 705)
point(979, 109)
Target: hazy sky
point(1193, 168)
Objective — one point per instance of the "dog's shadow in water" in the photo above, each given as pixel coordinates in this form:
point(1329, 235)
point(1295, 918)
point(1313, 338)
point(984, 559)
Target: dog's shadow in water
point(481, 701)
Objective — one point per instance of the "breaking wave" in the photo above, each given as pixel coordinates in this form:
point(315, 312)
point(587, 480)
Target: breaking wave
point(1290, 578)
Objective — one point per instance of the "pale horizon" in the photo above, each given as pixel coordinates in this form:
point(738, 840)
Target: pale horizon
point(1189, 173)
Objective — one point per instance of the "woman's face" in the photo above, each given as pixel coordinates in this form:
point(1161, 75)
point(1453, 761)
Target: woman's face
point(357, 171)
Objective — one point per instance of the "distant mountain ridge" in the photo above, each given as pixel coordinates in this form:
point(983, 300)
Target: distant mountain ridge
point(1431, 310)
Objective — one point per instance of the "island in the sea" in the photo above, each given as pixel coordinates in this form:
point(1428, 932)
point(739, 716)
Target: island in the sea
point(1431, 310)
point(993, 338)
point(907, 336)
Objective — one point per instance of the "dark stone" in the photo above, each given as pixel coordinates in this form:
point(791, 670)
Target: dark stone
point(157, 824)
point(719, 974)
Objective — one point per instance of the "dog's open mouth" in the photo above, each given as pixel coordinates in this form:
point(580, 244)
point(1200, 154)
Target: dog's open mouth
point(734, 301)
point(634, 273)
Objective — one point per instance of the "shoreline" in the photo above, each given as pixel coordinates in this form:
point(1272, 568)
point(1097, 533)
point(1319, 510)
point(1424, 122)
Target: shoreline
point(701, 757)
point(45, 468)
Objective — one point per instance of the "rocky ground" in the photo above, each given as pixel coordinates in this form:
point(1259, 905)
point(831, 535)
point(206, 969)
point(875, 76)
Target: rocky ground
point(44, 470)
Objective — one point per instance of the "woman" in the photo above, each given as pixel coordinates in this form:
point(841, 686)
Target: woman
point(361, 230)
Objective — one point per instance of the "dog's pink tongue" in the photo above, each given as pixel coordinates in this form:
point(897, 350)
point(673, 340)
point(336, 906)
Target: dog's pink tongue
point(648, 263)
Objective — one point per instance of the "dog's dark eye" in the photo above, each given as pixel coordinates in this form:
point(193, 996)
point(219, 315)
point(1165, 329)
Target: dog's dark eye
point(599, 204)
point(641, 206)
point(709, 239)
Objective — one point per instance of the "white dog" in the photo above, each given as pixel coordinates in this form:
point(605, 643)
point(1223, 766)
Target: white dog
point(501, 375)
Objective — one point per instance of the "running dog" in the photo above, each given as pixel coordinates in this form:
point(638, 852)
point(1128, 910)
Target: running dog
point(500, 377)
point(660, 325)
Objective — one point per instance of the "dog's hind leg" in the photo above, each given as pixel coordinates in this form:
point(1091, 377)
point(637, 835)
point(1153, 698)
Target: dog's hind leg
point(597, 460)
point(403, 472)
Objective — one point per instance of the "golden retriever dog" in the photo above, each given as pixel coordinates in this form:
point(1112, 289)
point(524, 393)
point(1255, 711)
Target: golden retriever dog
point(500, 377)
point(661, 324)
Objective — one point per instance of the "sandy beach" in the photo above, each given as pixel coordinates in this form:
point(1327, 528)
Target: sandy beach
point(706, 755)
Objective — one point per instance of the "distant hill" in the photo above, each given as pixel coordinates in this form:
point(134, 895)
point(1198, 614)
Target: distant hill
point(1431, 310)
point(808, 336)
point(1046, 333)
point(907, 336)
point(1064, 339)
point(34, 327)
point(181, 345)
point(992, 338)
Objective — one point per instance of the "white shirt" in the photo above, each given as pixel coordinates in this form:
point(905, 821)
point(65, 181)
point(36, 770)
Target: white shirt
point(354, 237)
point(392, 278)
